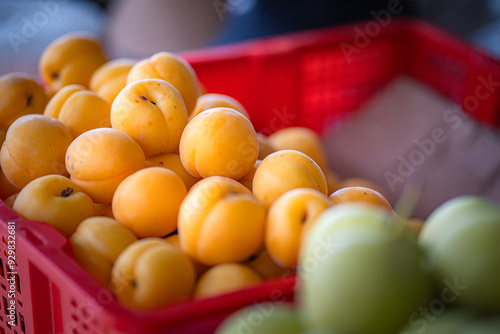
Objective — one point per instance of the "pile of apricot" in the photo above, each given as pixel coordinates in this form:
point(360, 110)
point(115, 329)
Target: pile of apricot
point(165, 193)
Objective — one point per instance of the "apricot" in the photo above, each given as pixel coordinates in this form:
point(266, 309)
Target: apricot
point(265, 147)
point(148, 201)
point(173, 239)
point(173, 162)
point(97, 243)
point(285, 170)
point(21, 95)
point(219, 142)
point(301, 139)
point(9, 201)
point(79, 110)
point(333, 181)
point(6, 187)
point(55, 200)
point(220, 221)
point(209, 101)
point(289, 217)
point(173, 69)
point(265, 266)
point(35, 146)
point(109, 79)
point(224, 278)
point(359, 194)
point(361, 182)
point(153, 113)
point(151, 273)
point(247, 179)
point(3, 134)
point(70, 59)
point(55, 104)
point(99, 160)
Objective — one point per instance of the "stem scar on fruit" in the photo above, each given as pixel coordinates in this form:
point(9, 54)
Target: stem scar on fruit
point(66, 192)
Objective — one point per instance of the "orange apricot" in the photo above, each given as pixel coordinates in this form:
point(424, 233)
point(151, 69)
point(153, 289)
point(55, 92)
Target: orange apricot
point(301, 139)
point(35, 146)
point(220, 221)
point(148, 201)
point(79, 110)
point(109, 79)
point(99, 160)
point(153, 113)
point(289, 217)
point(225, 278)
point(70, 59)
point(21, 95)
point(173, 162)
point(55, 200)
point(212, 100)
point(219, 142)
point(285, 170)
point(97, 243)
point(173, 69)
point(359, 194)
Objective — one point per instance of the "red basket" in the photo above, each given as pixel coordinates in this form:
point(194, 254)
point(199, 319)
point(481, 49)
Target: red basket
point(296, 79)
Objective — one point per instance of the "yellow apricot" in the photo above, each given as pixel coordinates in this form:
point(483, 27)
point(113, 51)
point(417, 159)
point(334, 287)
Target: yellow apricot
point(151, 273)
point(55, 200)
point(9, 201)
point(219, 142)
point(3, 134)
point(247, 179)
point(79, 110)
point(55, 104)
point(173, 69)
point(333, 181)
point(174, 241)
point(285, 170)
point(35, 146)
point(265, 266)
point(109, 79)
point(303, 140)
point(265, 146)
point(21, 95)
point(220, 221)
point(290, 215)
point(224, 278)
point(148, 201)
point(99, 160)
point(209, 101)
point(70, 59)
point(173, 162)
point(153, 113)
point(97, 243)
point(361, 182)
point(359, 194)
point(6, 187)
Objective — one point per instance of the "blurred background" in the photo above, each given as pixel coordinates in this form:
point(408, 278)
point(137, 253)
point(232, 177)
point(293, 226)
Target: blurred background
point(139, 28)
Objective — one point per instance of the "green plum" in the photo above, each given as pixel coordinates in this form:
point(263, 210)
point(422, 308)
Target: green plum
point(265, 318)
point(360, 272)
point(462, 241)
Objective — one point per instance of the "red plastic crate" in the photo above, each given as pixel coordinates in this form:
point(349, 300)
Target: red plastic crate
point(295, 79)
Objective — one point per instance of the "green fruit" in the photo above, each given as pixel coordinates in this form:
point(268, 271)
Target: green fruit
point(462, 242)
point(360, 272)
point(266, 318)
